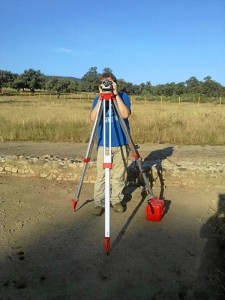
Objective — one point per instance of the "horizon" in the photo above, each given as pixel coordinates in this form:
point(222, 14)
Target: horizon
point(76, 78)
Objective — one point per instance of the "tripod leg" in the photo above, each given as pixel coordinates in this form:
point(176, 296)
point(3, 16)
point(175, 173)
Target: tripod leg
point(107, 210)
point(86, 159)
point(133, 149)
point(107, 165)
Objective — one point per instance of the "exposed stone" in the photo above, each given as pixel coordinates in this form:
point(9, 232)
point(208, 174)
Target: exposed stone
point(14, 170)
point(55, 168)
point(8, 169)
point(43, 175)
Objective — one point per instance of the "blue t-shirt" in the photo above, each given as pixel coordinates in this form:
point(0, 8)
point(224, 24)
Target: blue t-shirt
point(118, 138)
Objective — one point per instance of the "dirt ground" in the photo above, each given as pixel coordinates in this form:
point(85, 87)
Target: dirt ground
point(50, 252)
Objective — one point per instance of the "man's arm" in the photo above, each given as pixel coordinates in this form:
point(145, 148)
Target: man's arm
point(93, 113)
point(125, 111)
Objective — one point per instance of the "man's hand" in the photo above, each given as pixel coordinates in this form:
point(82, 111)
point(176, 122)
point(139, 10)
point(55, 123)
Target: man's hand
point(114, 85)
point(100, 89)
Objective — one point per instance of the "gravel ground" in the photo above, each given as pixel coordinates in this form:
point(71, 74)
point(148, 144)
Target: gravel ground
point(50, 252)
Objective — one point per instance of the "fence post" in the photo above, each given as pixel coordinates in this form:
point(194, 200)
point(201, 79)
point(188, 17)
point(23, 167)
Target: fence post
point(161, 98)
point(199, 98)
point(179, 99)
point(220, 100)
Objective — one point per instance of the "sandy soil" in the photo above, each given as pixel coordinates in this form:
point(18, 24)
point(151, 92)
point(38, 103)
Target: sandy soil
point(50, 252)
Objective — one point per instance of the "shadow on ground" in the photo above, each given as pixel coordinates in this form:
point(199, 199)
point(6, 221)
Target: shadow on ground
point(153, 159)
point(213, 257)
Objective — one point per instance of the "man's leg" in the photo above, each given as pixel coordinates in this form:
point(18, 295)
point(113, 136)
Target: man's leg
point(120, 161)
point(99, 188)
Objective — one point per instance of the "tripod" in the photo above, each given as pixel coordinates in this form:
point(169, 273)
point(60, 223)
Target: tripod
point(107, 156)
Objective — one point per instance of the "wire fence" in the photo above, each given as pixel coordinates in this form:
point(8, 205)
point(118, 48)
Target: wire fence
point(179, 99)
point(84, 96)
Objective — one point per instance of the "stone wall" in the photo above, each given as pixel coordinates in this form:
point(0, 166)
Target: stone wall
point(56, 168)
point(46, 166)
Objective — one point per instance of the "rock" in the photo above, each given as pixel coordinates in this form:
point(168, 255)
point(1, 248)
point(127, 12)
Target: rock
point(8, 168)
point(14, 170)
point(56, 168)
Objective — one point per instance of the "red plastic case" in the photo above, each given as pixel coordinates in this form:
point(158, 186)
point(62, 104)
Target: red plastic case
point(155, 209)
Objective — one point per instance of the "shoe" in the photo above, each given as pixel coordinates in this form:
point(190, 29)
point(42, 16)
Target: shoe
point(118, 207)
point(98, 211)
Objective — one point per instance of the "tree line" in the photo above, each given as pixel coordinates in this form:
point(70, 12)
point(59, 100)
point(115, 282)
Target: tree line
point(34, 80)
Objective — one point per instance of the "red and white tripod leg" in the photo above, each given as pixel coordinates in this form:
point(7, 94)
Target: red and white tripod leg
point(107, 211)
point(107, 165)
point(86, 159)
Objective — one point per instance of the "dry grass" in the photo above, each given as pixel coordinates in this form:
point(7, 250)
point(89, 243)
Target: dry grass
point(185, 123)
point(35, 118)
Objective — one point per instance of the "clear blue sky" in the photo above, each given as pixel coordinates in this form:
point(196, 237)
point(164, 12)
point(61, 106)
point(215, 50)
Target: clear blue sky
point(140, 40)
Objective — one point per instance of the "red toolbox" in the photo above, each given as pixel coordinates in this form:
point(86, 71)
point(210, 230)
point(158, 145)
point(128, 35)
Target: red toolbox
point(155, 209)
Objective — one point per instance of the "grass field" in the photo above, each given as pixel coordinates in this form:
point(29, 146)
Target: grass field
point(46, 118)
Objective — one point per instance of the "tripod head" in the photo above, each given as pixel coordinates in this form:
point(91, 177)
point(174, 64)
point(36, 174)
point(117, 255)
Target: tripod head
point(107, 96)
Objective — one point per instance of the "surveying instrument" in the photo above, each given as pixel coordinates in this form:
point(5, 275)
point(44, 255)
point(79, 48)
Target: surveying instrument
point(108, 96)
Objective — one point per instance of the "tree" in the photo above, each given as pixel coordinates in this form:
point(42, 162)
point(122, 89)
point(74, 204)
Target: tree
point(90, 80)
point(136, 89)
point(107, 70)
point(58, 85)
point(146, 88)
point(193, 85)
point(30, 79)
point(180, 88)
point(126, 87)
point(159, 90)
point(211, 87)
point(121, 85)
point(170, 89)
point(6, 78)
point(18, 84)
point(165, 89)
point(73, 86)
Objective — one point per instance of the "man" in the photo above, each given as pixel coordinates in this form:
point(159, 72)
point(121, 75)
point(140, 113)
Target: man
point(119, 148)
